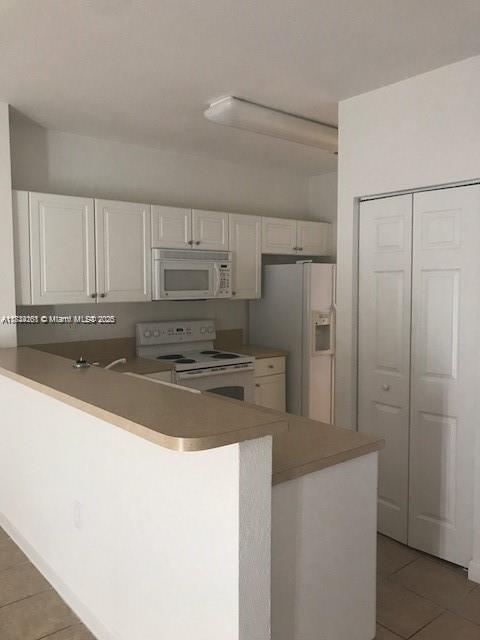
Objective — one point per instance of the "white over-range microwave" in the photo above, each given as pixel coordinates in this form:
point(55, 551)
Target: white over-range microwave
point(183, 274)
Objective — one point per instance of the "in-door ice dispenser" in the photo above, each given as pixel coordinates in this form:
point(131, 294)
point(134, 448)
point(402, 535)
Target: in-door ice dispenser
point(322, 328)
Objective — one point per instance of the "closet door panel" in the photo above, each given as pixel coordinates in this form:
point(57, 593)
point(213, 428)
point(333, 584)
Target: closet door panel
point(444, 379)
point(384, 348)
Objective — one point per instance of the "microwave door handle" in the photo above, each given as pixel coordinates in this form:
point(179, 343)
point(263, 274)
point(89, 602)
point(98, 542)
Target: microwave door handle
point(216, 286)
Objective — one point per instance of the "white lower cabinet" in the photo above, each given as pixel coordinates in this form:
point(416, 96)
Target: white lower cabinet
point(270, 383)
point(245, 245)
point(123, 251)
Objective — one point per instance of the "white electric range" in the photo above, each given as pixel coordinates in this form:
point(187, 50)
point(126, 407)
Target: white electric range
point(188, 345)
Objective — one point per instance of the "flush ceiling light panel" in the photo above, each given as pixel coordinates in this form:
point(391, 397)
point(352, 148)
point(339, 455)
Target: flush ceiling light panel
point(239, 113)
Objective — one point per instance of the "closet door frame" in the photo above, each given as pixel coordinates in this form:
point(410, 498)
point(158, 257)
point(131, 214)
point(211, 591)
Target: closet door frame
point(473, 567)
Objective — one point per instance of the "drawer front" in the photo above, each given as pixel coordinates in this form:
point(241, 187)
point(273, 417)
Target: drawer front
point(269, 366)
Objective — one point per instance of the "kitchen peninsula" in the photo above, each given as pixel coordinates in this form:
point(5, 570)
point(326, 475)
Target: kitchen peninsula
point(151, 509)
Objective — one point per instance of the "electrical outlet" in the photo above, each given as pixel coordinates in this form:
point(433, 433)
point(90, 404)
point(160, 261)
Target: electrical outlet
point(78, 515)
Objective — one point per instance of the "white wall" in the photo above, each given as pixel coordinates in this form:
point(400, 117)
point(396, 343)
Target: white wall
point(7, 282)
point(324, 549)
point(228, 314)
point(56, 162)
point(142, 542)
point(322, 199)
point(420, 132)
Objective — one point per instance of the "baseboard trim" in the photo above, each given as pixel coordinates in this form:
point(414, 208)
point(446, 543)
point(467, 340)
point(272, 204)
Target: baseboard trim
point(474, 571)
point(82, 611)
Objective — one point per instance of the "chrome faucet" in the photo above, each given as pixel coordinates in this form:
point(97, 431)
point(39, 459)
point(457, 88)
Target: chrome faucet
point(117, 361)
point(81, 363)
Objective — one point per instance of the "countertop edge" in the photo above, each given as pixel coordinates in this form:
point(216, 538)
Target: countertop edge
point(329, 461)
point(181, 444)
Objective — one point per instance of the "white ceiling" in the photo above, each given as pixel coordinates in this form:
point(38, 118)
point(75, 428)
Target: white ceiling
point(144, 71)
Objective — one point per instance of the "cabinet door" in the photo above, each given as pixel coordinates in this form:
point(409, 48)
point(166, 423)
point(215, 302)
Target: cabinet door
point(210, 230)
point(270, 392)
point(244, 243)
point(62, 248)
point(313, 238)
point(444, 385)
point(171, 227)
point(123, 246)
point(279, 236)
point(384, 349)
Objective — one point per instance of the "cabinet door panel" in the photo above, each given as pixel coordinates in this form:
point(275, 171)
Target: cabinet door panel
point(445, 346)
point(279, 236)
point(171, 227)
point(210, 230)
point(62, 248)
point(270, 392)
point(384, 349)
point(123, 251)
point(313, 238)
point(244, 243)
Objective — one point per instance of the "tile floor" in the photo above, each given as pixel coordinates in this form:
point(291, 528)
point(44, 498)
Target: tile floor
point(29, 607)
point(423, 598)
point(419, 597)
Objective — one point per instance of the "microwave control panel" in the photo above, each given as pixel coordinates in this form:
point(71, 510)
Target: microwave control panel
point(225, 286)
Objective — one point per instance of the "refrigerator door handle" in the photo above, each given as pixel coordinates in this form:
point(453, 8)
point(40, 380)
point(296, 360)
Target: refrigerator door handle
point(333, 327)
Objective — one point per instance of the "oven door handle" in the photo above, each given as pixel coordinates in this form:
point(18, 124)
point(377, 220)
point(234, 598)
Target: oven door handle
point(205, 374)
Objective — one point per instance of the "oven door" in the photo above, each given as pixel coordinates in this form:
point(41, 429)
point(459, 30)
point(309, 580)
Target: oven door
point(233, 383)
point(184, 280)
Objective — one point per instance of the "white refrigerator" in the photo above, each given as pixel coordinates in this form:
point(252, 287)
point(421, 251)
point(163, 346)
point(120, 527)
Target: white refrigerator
point(297, 313)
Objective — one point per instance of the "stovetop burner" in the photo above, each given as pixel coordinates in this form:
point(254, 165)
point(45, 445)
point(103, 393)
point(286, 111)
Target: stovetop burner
point(185, 360)
point(225, 356)
point(211, 352)
point(170, 356)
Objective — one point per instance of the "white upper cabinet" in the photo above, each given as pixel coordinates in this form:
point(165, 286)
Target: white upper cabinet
point(279, 236)
point(171, 227)
point(174, 228)
point(245, 245)
point(313, 238)
point(62, 248)
point(210, 230)
point(295, 237)
point(123, 244)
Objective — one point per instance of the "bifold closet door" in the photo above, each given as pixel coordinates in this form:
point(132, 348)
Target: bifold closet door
point(385, 254)
point(444, 377)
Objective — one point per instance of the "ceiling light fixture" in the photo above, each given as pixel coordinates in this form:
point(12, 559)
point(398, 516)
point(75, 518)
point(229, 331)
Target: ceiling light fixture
point(242, 114)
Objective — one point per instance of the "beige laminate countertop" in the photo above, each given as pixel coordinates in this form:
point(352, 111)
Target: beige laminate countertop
point(309, 445)
point(104, 352)
point(258, 351)
point(184, 421)
point(170, 417)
